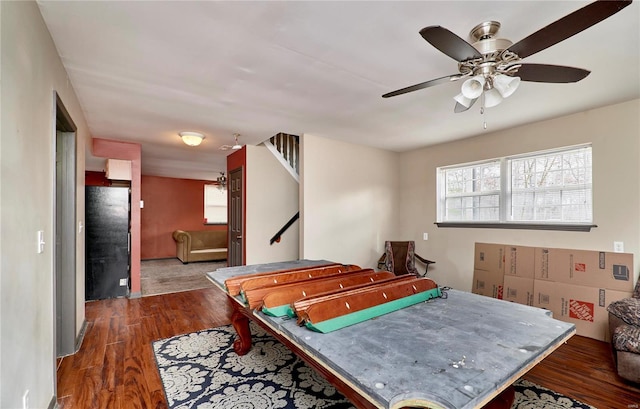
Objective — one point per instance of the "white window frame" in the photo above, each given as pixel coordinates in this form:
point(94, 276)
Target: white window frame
point(215, 204)
point(505, 218)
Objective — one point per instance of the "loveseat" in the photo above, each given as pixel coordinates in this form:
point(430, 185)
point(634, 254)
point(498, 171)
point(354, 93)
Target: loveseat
point(200, 245)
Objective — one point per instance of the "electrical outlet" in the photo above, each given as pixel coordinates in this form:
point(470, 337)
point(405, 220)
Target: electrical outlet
point(123, 282)
point(425, 236)
point(25, 400)
point(618, 247)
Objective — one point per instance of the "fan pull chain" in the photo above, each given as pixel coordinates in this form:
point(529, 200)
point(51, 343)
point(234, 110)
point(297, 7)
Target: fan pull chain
point(484, 115)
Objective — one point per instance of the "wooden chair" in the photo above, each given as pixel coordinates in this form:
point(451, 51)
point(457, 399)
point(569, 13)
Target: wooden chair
point(399, 258)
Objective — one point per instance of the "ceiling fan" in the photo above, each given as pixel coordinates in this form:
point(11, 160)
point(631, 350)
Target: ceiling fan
point(492, 66)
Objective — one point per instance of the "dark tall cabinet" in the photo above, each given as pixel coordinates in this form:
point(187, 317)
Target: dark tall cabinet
point(107, 242)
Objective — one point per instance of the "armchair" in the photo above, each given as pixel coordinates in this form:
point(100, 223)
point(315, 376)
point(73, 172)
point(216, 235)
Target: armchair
point(399, 258)
point(624, 329)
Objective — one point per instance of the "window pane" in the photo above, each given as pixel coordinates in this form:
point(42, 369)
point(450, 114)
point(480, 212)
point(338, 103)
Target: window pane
point(543, 187)
point(215, 204)
point(552, 187)
point(470, 192)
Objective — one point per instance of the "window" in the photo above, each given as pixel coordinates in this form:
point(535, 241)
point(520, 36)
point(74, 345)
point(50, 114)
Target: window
point(215, 204)
point(541, 188)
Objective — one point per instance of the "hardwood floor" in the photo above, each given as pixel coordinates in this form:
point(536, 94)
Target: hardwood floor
point(115, 367)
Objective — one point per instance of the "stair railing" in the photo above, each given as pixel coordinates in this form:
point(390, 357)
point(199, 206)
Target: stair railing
point(276, 238)
point(286, 148)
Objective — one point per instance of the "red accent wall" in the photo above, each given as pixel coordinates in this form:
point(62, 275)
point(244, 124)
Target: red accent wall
point(170, 204)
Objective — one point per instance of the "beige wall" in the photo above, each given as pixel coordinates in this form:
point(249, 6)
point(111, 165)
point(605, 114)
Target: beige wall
point(271, 200)
point(614, 132)
point(30, 73)
point(349, 201)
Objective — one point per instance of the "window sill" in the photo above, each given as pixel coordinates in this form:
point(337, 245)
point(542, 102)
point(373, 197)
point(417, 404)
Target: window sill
point(522, 226)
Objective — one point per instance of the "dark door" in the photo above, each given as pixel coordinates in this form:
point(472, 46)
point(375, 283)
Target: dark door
point(106, 242)
point(236, 222)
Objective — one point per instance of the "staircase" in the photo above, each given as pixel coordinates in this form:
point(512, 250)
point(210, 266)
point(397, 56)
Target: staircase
point(285, 147)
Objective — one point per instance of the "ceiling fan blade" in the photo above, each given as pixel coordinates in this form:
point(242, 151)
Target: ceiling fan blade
point(449, 43)
point(567, 26)
point(461, 108)
point(422, 85)
point(550, 73)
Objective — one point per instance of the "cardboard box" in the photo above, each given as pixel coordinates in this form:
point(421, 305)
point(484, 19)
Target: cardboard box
point(587, 268)
point(586, 307)
point(489, 283)
point(518, 289)
point(519, 261)
point(489, 257)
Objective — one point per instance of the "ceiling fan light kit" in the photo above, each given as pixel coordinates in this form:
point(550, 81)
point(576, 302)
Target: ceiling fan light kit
point(492, 98)
point(191, 138)
point(237, 145)
point(506, 85)
point(473, 87)
point(492, 67)
point(222, 181)
point(464, 101)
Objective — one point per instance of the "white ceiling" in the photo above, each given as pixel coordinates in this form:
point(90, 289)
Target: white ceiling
point(143, 71)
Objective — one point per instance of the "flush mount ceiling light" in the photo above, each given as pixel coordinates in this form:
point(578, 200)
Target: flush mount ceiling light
point(237, 145)
point(191, 138)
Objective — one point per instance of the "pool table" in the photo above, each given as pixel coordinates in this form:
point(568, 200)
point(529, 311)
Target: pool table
point(462, 351)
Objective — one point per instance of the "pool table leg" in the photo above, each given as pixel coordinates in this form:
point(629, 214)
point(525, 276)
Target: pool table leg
point(240, 323)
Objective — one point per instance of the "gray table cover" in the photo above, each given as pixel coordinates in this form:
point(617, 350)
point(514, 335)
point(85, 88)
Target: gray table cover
point(454, 352)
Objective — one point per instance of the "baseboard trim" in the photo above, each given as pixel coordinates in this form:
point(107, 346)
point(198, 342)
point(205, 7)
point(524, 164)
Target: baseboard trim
point(78, 342)
point(135, 295)
point(80, 337)
point(159, 258)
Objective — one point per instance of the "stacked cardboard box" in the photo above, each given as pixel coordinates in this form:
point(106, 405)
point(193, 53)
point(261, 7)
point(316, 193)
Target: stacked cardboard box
point(576, 285)
point(519, 274)
point(488, 270)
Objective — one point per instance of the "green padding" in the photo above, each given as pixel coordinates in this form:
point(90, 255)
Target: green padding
point(372, 312)
point(243, 298)
point(279, 311)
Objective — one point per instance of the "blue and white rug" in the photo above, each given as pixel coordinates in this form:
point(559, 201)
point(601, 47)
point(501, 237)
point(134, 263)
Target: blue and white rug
point(201, 371)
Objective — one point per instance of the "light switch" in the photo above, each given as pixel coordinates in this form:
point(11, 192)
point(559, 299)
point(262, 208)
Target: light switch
point(425, 236)
point(40, 240)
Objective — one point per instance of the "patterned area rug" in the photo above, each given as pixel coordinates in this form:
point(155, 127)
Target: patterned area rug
point(200, 370)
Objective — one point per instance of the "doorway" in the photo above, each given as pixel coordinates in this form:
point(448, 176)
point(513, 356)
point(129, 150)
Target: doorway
point(65, 231)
